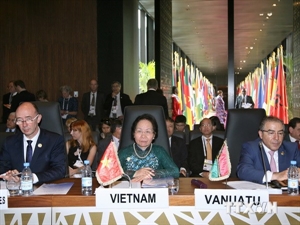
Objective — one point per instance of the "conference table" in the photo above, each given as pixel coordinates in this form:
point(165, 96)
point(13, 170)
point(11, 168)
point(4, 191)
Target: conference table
point(75, 208)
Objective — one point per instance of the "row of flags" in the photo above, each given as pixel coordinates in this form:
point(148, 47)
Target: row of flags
point(267, 86)
point(196, 93)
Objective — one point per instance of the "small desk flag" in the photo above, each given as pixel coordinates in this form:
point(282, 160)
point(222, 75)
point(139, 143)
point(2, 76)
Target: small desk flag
point(109, 169)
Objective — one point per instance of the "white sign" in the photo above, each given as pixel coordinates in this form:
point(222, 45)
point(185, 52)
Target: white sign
point(132, 198)
point(3, 198)
point(219, 198)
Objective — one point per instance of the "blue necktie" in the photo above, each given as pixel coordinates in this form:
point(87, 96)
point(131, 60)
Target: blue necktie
point(29, 151)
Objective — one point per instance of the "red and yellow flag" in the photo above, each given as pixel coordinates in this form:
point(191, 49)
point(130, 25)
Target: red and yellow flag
point(109, 169)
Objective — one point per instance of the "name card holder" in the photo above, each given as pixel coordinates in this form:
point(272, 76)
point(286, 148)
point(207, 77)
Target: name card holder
point(3, 195)
point(217, 198)
point(132, 198)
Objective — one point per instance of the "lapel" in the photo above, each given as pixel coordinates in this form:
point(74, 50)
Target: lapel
point(282, 154)
point(38, 148)
point(19, 145)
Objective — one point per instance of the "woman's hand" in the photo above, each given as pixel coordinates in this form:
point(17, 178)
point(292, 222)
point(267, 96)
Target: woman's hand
point(142, 174)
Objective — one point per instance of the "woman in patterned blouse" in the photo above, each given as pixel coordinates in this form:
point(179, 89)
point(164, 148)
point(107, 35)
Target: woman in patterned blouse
point(144, 160)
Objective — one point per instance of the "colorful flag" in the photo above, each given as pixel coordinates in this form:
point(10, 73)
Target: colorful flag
point(221, 167)
point(109, 169)
point(279, 103)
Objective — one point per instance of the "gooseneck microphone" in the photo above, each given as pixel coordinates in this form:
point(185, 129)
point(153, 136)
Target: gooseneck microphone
point(261, 147)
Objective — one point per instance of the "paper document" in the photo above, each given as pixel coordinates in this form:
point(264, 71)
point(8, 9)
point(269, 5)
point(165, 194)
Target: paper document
point(53, 189)
point(125, 184)
point(245, 185)
point(156, 183)
point(246, 105)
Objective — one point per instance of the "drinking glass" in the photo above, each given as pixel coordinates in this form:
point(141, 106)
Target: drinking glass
point(173, 186)
point(13, 187)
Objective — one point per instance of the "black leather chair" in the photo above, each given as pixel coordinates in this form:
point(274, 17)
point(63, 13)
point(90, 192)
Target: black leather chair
point(179, 134)
point(132, 112)
point(242, 126)
point(51, 119)
point(3, 136)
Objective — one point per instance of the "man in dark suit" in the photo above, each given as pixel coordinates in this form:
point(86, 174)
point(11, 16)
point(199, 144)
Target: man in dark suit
point(7, 99)
point(151, 97)
point(293, 131)
point(43, 149)
point(204, 149)
point(22, 96)
point(116, 129)
point(10, 124)
point(116, 101)
point(178, 149)
point(276, 152)
point(92, 106)
point(243, 101)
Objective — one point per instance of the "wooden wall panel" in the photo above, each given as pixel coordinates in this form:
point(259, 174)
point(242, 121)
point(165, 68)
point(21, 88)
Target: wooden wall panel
point(48, 44)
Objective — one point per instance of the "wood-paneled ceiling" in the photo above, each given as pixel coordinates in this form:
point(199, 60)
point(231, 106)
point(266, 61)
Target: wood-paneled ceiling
point(200, 29)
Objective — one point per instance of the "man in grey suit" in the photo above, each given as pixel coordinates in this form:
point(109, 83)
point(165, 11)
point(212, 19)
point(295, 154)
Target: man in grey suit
point(152, 97)
point(43, 149)
point(244, 101)
point(92, 105)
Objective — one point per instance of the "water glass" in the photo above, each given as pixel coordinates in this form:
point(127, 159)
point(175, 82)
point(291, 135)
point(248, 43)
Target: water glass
point(173, 186)
point(13, 187)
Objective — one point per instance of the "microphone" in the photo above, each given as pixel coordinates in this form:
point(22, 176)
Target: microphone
point(199, 183)
point(261, 147)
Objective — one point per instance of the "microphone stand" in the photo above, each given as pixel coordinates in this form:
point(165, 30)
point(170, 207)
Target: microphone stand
point(264, 164)
point(128, 178)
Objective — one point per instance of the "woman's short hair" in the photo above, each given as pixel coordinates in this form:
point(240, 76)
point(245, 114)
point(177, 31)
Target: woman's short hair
point(69, 121)
point(148, 117)
point(85, 130)
point(65, 88)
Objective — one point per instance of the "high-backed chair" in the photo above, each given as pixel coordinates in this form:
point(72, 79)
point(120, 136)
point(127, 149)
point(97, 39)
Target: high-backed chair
point(242, 126)
point(179, 134)
point(51, 119)
point(132, 112)
point(3, 136)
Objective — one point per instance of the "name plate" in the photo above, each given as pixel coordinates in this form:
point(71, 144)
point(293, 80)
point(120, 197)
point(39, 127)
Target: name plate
point(3, 199)
point(132, 198)
point(218, 198)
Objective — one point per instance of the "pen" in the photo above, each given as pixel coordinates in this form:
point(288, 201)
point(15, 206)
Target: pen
point(4, 174)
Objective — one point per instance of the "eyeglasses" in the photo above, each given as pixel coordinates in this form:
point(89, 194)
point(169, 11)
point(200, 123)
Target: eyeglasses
point(273, 132)
point(206, 125)
point(145, 132)
point(28, 120)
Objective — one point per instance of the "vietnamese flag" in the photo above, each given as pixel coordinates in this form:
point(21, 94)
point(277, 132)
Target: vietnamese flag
point(109, 169)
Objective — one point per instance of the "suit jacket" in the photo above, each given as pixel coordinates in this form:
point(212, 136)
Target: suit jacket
point(179, 152)
point(85, 105)
point(250, 166)
point(6, 111)
point(152, 97)
point(239, 101)
point(23, 96)
point(124, 101)
point(196, 153)
point(48, 160)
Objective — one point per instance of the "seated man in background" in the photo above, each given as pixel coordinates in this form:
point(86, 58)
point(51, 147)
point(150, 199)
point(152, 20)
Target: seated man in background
point(43, 149)
point(204, 149)
point(276, 152)
point(178, 149)
point(10, 124)
point(116, 130)
point(294, 131)
point(180, 123)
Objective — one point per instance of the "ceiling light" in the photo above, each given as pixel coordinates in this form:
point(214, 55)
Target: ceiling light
point(246, 47)
point(251, 47)
point(274, 4)
point(269, 14)
point(244, 61)
point(260, 30)
point(261, 14)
